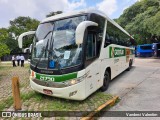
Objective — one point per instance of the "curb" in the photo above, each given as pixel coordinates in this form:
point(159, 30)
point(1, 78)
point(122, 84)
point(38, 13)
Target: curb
point(108, 103)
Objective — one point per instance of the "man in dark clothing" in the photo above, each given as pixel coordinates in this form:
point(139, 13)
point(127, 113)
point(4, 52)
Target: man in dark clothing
point(18, 60)
point(22, 60)
point(13, 61)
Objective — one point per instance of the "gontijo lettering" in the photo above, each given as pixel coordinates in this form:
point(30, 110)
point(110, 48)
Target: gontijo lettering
point(119, 52)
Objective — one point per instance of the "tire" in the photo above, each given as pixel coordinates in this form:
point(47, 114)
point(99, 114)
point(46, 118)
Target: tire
point(130, 65)
point(106, 81)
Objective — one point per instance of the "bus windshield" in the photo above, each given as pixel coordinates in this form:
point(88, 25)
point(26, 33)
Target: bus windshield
point(54, 45)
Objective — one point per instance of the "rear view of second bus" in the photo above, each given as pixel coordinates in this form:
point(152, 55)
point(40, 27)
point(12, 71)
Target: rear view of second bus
point(144, 50)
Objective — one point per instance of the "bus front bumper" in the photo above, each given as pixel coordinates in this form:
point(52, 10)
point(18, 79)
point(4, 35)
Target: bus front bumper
point(73, 92)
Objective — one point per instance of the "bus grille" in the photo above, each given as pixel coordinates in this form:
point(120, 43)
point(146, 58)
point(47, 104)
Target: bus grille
point(50, 83)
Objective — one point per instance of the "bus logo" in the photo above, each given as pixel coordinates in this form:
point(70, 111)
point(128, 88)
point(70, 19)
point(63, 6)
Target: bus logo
point(116, 52)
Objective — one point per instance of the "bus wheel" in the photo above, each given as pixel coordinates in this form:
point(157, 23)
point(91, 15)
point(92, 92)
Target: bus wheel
point(130, 65)
point(106, 80)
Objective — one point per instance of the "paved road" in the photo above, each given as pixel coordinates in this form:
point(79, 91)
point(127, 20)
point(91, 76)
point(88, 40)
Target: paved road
point(139, 89)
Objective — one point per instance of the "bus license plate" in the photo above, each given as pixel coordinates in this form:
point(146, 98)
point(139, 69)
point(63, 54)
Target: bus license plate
point(48, 92)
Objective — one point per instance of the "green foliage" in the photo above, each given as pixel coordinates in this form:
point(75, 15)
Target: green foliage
point(23, 24)
point(20, 25)
point(8, 36)
point(3, 34)
point(3, 47)
point(53, 13)
point(6, 103)
point(142, 21)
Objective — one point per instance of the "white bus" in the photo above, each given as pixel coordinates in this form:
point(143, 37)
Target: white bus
point(74, 54)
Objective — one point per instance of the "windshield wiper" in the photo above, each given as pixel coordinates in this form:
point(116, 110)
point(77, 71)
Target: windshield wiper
point(41, 55)
point(44, 50)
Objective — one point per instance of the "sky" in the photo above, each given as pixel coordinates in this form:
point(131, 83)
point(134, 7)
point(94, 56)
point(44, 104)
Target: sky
point(38, 9)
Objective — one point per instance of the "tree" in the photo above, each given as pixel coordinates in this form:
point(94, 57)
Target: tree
point(142, 21)
point(3, 47)
point(23, 24)
point(53, 13)
point(18, 26)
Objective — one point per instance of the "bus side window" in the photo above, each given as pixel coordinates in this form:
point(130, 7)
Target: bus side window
point(111, 32)
point(112, 39)
point(91, 47)
point(107, 40)
point(99, 31)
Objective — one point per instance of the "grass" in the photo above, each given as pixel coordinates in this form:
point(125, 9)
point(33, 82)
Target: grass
point(6, 74)
point(4, 71)
point(27, 96)
point(9, 101)
point(58, 104)
point(6, 103)
point(36, 101)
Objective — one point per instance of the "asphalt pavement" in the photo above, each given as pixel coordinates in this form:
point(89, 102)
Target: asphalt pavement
point(138, 89)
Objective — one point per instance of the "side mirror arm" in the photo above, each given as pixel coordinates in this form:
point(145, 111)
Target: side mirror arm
point(20, 38)
point(80, 30)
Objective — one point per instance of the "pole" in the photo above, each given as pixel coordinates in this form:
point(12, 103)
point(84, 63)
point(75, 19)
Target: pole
point(16, 93)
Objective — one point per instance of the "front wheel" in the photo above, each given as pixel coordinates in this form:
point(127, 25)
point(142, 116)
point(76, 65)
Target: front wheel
point(106, 80)
point(130, 65)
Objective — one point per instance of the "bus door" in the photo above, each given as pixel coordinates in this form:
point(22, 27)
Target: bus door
point(92, 62)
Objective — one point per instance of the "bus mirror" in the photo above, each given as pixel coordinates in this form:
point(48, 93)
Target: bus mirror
point(81, 29)
point(30, 48)
point(26, 50)
point(29, 60)
point(20, 38)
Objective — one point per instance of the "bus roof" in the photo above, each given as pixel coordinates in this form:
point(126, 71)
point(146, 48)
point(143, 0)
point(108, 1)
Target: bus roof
point(68, 14)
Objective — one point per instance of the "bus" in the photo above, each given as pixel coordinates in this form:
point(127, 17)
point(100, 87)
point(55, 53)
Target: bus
point(156, 49)
point(144, 50)
point(75, 54)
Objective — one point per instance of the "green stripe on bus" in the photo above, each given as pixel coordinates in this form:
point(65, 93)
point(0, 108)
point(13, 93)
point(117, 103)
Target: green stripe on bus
point(56, 78)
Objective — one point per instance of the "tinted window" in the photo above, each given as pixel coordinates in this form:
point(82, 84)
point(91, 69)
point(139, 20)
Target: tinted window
point(94, 38)
point(91, 46)
point(115, 36)
point(158, 46)
point(98, 30)
point(100, 20)
point(146, 47)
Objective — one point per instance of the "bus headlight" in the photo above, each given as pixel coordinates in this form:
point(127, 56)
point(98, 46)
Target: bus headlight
point(73, 81)
point(32, 75)
point(76, 80)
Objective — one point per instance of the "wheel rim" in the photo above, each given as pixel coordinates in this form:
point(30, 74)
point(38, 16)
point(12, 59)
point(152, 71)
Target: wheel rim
point(105, 80)
point(130, 64)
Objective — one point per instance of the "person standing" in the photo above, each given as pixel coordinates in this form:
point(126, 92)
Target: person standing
point(13, 61)
point(18, 60)
point(22, 60)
